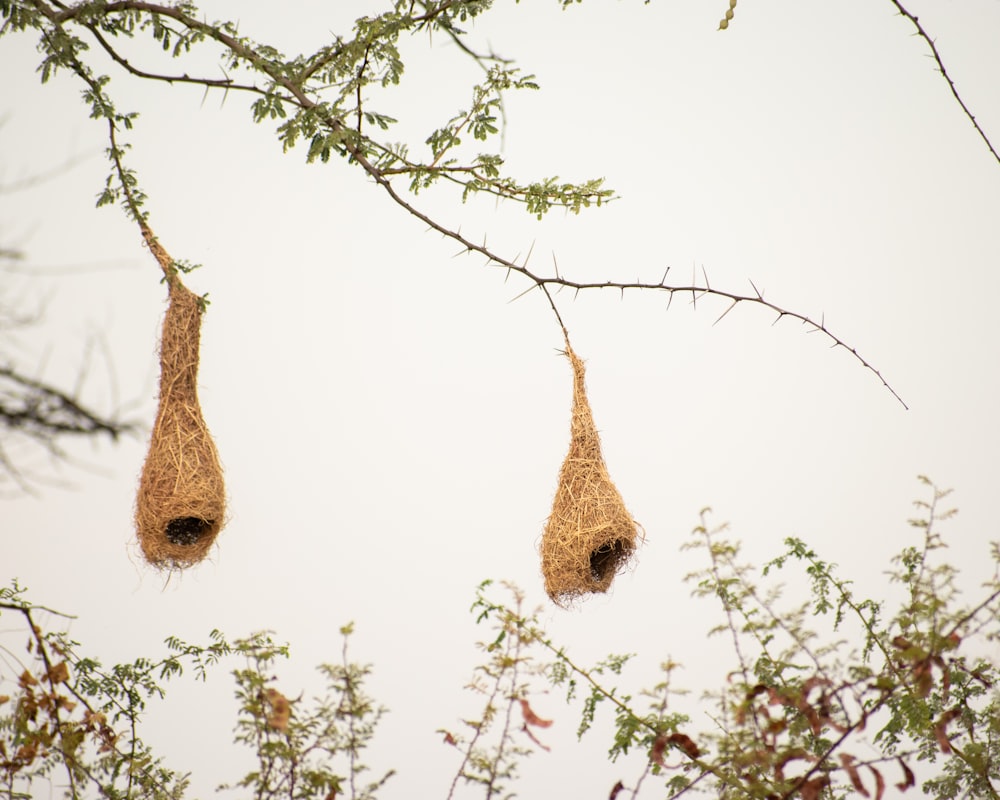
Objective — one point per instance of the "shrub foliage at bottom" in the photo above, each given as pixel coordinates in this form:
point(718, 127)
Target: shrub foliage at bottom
point(838, 696)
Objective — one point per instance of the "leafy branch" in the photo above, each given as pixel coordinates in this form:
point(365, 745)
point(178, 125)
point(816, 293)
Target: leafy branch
point(291, 92)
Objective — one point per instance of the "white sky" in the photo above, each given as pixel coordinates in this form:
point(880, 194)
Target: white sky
point(392, 427)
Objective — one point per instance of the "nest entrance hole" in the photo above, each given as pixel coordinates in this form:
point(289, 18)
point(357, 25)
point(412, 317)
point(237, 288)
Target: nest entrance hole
point(605, 559)
point(186, 530)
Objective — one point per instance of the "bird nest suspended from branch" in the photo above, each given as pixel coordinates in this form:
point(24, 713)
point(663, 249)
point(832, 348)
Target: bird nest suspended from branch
point(590, 537)
point(181, 502)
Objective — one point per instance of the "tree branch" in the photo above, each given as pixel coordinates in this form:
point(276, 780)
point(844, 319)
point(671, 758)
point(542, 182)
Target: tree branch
point(355, 146)
point(951, 84)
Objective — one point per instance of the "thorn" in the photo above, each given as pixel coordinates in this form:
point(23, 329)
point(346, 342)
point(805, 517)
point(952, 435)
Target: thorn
point(507, 276)
point(530, 250)
point(555, 263)
point(703, 272)
point(529, 289)
point(670, 300)
point(759, 295)
point(663, 280)
point(726, 312)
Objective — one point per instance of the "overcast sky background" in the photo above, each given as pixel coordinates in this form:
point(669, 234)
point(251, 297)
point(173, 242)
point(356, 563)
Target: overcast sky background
point(392, 427)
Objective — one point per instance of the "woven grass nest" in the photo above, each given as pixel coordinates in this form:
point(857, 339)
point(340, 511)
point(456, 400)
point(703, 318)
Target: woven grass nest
point(181, 502)
point(590, 537)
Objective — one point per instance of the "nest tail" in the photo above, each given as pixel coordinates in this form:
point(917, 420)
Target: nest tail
point(181, 503)
point(590, 536)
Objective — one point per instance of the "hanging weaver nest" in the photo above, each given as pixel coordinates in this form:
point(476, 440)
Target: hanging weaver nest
point(181, 503)
point(590, 537)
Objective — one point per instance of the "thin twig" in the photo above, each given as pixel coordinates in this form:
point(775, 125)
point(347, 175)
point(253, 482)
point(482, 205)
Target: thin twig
point(951, 84)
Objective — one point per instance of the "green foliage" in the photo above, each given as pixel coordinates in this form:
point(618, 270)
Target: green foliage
point(833, 697)
point(828, 698)
point(321, 98)
point(305, 750)
point(492, 744)
point(74, 723)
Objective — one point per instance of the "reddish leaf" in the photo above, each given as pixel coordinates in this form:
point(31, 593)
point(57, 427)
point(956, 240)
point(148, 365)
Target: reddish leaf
point(449, 739)
point(533, 738)
point(847, 762)
point(784, 758)
point(942, 739)
point(908, 779)
point(684, 743)
point(923, 678)
point(811, 789)
point(939, 729)
point(813, 682)
point(656, 754)
point(879, 783)
point(531, 718)
point(615, 789)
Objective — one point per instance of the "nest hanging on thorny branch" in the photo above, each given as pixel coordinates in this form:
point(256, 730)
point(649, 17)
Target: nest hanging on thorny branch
point(181, 502)
point(590, 536)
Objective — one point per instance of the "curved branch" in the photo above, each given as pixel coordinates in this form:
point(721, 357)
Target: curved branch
point(353, 146)
point(951, 84)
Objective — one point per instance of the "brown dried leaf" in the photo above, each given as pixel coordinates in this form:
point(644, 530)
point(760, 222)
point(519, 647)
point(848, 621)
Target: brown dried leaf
point(615, 789)
point(531, 718)
point(813, 682)
point(534, 738)
point(685, 743)
point(59, 673)
point(923, 678)
point(64, 702)
point(26, 680)
point(908, 778)
point(449, 739)
point(656, 754)
point(811, 789)
point(4, 698)
point(879, 783)
point(847, 762)
point(280, 709)
point(940, 732)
